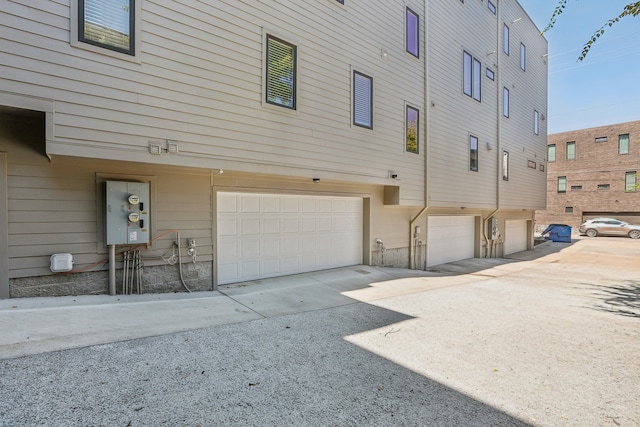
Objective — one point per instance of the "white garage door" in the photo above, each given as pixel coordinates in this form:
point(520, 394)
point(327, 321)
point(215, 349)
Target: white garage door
point(515, 236)
point(449, 238)
point(269, 235)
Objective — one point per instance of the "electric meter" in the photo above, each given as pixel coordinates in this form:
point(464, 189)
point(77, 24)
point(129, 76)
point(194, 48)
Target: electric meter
point(134, 199)
point(134, 216)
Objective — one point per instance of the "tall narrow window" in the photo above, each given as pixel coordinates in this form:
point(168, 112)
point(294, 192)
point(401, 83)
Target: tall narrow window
point(413, 33)
point(623, 144)
point(505, 102)
point(562, 184)
point(281, 73)
point(505, 165)
point(551, 152)
point(571, 150)
point(412, 126)
point(630, 183)
point(473, 153)
point(505, 39)
point(536, 122)
point(472, 72)
point(523, 56)
point(362, 100)
point(107, 23)
point(492, 7)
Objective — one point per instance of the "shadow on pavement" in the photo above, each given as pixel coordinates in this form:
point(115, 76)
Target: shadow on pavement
point(289, 370)
point(623, 300)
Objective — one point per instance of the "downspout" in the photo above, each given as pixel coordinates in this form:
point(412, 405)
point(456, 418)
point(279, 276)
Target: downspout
point(412, 263)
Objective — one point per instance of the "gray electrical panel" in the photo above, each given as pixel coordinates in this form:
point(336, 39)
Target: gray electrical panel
point(127, 212)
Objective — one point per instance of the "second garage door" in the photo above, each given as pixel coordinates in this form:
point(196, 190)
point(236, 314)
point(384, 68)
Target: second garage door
point(449, 238)
point(269, 235)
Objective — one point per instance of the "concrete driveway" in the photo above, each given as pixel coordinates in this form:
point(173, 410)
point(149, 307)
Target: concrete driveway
point(548, 338)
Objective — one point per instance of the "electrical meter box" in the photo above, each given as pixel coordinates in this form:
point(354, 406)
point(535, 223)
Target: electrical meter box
point(127, 212)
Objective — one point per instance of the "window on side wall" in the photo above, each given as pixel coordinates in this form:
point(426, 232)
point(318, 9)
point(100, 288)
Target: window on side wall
point(362, 100)
point(472, 72)
point(551, 152)
point(630, 181)
point(536, 122)
point(473, 153)
point(107, 23)
point(281, 73)
point(505, 39)
point(571, 150)
point(523, 57)
point(505, 102)
point(412, 119)
point(505, 165)
point(413, 33)
point(492, 7)
point(623, 144)
point(562, 184)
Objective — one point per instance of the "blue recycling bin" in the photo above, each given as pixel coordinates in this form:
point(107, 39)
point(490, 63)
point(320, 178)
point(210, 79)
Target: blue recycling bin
point(558, 233)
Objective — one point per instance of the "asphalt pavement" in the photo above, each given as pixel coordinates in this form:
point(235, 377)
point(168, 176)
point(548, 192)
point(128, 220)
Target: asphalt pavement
point(549, 337)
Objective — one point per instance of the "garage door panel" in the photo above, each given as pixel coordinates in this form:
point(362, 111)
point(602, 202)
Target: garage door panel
point(290, 234)
point(515, 236)
point(449, 238)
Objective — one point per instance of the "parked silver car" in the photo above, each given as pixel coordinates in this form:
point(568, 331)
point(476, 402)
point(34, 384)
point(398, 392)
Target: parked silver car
point(609, 227)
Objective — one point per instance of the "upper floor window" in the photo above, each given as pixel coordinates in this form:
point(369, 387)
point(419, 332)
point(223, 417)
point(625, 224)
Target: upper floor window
point(362, 100)
point(412, 126)
point(340, 1)
point(473, 153)
point(505, 165)
point(107, 23)
point(562, 184)
point(536, 122)
point(630, 183)
point(623, 144)
point(505, 102)
point(505, 39)
point(601, 139)
point(492, 7)
point(281, 73)
point(523, 56)
point(472, 72)
point(413, 33)
point(551, 152)
point(571, 150)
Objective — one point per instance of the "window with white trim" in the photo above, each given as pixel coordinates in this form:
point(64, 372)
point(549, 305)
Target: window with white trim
point(505, 165)
point(505, 39)
point(281, 73)
point(412, 33)
point(505, 102)
point(362, 100)
point(107, 23)
point(471, 76)
point(473, 153)
point(412, 120)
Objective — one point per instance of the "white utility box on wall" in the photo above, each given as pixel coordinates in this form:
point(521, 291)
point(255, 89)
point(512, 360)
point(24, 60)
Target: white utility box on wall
point(127, 212)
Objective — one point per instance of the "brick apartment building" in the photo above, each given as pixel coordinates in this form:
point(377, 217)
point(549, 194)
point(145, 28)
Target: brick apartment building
point(592, 172)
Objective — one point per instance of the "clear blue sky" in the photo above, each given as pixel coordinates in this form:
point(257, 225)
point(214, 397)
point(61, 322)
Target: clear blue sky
point(602, 89)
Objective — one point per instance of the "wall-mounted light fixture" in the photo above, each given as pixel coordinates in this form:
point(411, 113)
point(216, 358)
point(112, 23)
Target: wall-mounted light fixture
point(384, 55)
point(316, 180)
point(516, 20)
point(393, 175)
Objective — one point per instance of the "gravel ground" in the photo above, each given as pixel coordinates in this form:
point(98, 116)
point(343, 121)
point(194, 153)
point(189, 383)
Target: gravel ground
point(552, 344)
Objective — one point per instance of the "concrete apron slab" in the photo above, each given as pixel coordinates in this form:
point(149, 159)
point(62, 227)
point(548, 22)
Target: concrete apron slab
point(37, 325)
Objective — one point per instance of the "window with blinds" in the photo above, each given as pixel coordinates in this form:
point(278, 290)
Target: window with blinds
point(107, 23)
point(362, 100)
point(281, 73)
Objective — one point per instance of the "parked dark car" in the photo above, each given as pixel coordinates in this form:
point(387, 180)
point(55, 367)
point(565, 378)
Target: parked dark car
point(609, 227)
